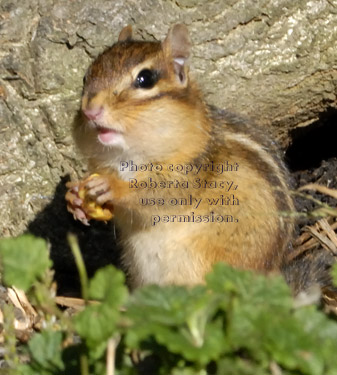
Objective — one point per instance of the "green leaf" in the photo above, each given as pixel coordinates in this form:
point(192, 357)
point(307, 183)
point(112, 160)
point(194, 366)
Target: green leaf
point(259, 309)
point(319, 347)
point(96, 323)
point(253, 288)
point(178, 318)
point(239, 323)
point(108, 285)
point(46, 349)
point(25, 259)
point(235, 365)
point(25, 370)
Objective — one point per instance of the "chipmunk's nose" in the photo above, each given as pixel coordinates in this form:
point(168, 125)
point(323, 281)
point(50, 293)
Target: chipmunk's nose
point(93, 113)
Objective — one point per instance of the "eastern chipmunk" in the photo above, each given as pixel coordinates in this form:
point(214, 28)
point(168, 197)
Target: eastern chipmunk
point(191, 185)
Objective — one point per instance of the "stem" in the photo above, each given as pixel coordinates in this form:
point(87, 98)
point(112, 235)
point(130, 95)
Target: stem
point(75, 249)
point(111, 355)
point(84, 364)
point(110, 358)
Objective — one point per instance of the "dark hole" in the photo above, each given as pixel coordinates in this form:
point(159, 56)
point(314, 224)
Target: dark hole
point(314, 143)
point(312, 159)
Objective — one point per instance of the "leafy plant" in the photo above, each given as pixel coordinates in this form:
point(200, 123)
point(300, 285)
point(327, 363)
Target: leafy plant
point(238, 323)
point(25, 259)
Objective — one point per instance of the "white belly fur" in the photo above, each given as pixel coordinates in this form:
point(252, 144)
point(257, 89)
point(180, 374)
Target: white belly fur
point(157, 256)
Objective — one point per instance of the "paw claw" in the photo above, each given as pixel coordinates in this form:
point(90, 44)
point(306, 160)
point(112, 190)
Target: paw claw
point(80, 215)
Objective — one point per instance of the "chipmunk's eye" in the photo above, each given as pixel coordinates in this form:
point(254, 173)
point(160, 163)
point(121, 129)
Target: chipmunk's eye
point(146, 79)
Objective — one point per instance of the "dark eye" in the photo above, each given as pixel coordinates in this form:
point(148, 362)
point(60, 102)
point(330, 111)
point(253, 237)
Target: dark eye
point(146, 79)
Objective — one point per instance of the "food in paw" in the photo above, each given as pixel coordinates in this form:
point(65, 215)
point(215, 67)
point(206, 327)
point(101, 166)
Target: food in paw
point(90, 206)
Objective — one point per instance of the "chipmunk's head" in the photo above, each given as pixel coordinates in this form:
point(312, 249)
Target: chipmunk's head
point(137, 98)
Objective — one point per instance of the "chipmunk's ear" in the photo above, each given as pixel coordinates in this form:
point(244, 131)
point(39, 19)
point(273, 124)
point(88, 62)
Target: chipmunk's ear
point(125, 34)
point(177, 48)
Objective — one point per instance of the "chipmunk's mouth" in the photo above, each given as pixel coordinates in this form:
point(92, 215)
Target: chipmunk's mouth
point(108, 136)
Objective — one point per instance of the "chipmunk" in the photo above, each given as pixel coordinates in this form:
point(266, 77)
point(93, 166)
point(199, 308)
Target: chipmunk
point(190, 184)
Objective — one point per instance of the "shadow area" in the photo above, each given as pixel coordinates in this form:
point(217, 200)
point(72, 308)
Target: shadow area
point(314, 143)
point(312, 158)
point(97, 242)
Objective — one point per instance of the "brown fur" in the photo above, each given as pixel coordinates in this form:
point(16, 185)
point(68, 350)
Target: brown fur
point(171, 124)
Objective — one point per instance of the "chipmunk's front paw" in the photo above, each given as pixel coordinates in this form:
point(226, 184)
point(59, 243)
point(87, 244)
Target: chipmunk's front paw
point(100, 189)
point(75, 203)
point(85, 201)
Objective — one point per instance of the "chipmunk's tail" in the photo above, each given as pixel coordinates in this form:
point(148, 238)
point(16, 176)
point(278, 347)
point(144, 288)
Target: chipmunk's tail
point(310, 273)
point(311, 268)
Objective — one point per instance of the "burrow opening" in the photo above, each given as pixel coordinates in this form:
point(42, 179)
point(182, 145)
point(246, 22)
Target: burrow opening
point(312, 158)
point(313, 144)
